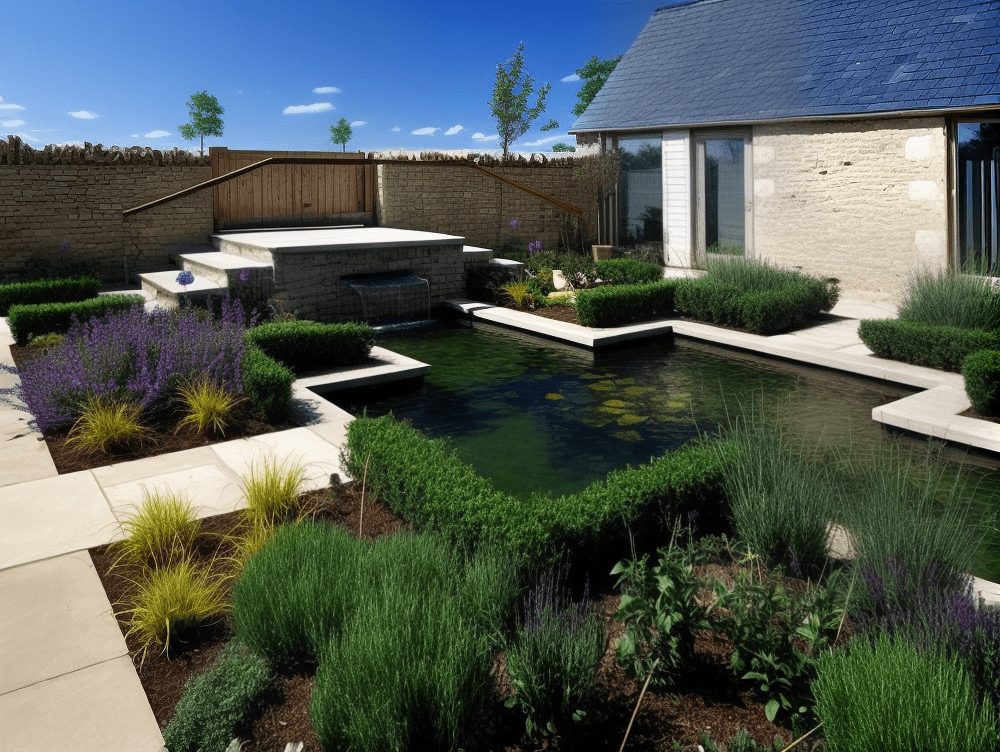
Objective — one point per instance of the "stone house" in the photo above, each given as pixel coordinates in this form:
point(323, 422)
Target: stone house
point(855, 139)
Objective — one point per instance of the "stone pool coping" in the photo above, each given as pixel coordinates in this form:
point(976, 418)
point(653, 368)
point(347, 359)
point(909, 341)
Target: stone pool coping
point(934, 411)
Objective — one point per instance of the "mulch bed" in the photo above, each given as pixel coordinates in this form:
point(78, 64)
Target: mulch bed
point(970, 413)
point(707, 699)
point(162, 439)
point(558, 313)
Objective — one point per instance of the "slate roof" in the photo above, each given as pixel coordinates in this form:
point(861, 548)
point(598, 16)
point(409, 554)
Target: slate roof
point(714, 61)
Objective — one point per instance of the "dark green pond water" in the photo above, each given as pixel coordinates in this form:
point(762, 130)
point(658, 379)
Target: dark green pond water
point(534, 415)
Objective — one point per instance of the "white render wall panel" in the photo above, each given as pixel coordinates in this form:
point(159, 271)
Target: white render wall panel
point(677, 235)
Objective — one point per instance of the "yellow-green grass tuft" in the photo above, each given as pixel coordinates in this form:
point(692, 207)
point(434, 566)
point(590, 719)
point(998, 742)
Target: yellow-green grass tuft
point(162, 531)
point(168, 600)
point(208, 407)
point(271, 490)
point(106, 425)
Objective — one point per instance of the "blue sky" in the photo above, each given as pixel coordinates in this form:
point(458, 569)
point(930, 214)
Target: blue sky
point(120, 72)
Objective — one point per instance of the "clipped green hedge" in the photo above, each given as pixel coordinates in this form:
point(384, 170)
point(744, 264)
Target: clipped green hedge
point(27, 321)
point(628, 271)
point(310, 345)
point(617, 305)
point(423, 481)
point(267, 384)
point(764, 311)
point(47, 291)
point(944, 347)
point(216, 701)
point(981, 370)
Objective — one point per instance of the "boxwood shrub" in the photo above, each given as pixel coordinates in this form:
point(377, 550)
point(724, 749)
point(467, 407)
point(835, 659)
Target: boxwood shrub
point(310, 345)
point(27, 321)
point(981, 370)
point(267, 384)
point(618, 305)
point(932, 345)
point(47, 291)
point(628, 271)
point(423, 481)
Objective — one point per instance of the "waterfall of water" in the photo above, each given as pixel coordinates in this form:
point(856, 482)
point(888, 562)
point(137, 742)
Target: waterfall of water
point(393, 297)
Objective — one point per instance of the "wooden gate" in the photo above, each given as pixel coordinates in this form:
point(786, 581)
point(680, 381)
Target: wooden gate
point(298, 195)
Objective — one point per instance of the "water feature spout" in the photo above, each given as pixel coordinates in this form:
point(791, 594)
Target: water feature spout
point(392, 298)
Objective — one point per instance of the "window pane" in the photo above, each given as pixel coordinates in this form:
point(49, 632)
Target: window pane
point(725, 213)
point(978, 191)
point(640, 191)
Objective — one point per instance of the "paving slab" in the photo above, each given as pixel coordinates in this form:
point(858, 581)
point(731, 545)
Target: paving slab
point(300, 445)
point(147, 467)
point(55, 619)
point(210, 488)
point(102, 708)
point(53, 516)
point(383, 366)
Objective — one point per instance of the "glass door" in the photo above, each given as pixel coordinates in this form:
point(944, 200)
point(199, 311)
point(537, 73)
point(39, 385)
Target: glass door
point(977, 216)
point(723, 187)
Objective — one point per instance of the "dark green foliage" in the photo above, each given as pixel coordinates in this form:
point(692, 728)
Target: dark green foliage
point(425, 483)
point(742, 742)
point(217, 701)
point(964, 298)
point(312, 346)
point(884, 695)
point(47, 291)
point(981, 370)
point(925, 344)
point(628, 271)
point(27, 321)
point(593, 74)
point(618, 305)
point(267, 384)
point(661, 614)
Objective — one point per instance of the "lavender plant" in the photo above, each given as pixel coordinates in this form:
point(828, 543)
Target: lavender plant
point(137, 356)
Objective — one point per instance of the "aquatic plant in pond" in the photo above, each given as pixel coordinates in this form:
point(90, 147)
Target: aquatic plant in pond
point(136, 355)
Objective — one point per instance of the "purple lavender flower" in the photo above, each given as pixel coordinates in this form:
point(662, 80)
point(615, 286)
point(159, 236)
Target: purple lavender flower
point(185, 278)
point(514, 224)
point(244, 276)
point(535, 246)
point(64, 247)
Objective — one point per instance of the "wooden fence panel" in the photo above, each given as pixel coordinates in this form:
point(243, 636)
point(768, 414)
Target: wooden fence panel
point(291, 195)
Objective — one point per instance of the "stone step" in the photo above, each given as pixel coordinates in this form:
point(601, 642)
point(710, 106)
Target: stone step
point(224, 268)
point(164, 289)
point(473, 255)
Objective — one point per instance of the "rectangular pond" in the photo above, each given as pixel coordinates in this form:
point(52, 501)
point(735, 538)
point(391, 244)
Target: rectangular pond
point(534, 415)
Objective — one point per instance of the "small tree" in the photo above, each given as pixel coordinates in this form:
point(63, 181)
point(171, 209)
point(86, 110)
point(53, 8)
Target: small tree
point(341, 133)
point(206, 118)
point(509, 104)
point(560, 147)
point(594, 74)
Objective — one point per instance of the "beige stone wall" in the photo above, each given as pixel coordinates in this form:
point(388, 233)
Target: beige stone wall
point(862, 201)
point(42, 205)
point(462, 201)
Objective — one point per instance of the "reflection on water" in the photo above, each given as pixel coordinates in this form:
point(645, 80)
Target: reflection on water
point(533, 415)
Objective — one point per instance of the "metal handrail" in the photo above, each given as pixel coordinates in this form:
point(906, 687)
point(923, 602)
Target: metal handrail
point(354, 161)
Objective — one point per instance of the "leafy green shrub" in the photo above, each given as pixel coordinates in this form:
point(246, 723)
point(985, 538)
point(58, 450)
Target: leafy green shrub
point(106, 425)
point(960, 298)
point(981, 370)
point(162, 530)
point(661, 614)
point(923, 344)
point(628, 271)
point(618, 305)
point(423, 481)
point(311, 346)
point(216, 701)
point(267, 384)
point(208, 407)
point(884, 695)
point(552, 659)
point(47, 291)
point(777, 636)
point(27, 321)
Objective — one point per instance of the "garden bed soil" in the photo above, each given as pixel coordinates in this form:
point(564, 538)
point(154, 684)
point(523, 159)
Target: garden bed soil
point(970, 413)
point(558, 313)
point(163, 437)
point(705, 700)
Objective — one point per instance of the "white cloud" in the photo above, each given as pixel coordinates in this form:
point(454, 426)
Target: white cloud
point(240, 92)
point(158, 133)
point(396, 129)
point(135, 135)
point(454, 129)
point(26, 137)
point(358, 123)
point(307, 109)
point(545, 140)
point(9, 105)
point(11, 123)
point(570, 78)
point(83, 114)
point(477, 136)
point(425, 131)
point(326, 90)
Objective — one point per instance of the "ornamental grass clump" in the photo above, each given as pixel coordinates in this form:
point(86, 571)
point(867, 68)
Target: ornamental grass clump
point(208, 407)
point(134, 355)
point(885, 695)
point(163, 530)
point(107, 424)
point(271, 490)
point(963, 298)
